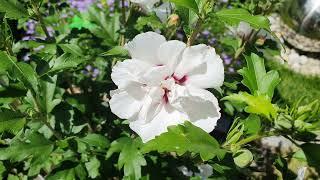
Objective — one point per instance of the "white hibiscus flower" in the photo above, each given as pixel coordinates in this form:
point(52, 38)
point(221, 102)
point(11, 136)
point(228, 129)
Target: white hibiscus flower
point(164, 84)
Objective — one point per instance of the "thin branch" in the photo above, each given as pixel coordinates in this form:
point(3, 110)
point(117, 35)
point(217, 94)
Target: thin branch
point(42, 23)
point(195, 32)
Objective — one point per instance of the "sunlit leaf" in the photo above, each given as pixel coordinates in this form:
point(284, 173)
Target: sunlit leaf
point(130, 158)
point(186, 138)
point(258, 104)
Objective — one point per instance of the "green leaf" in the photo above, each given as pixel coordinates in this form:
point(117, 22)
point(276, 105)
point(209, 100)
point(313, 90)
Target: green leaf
point(69, 174)
point(48, 88)
point(11, 122)
point(116, 51)
point(13, 9)
point(258, 104)
point(79, 23)
point(191, 4)
point(257, 79)
point(36, 147)
point(312, 154)
point(72, 49)
point(2, 169)
point(130, 156)
point(243, 158)
point(96, 140)
point(66, 61)
point(107, 28)
point(150, 21)
point(252, 124)
point(23, 71)
point(235, 16)
point(185, 138)
point(93, 167)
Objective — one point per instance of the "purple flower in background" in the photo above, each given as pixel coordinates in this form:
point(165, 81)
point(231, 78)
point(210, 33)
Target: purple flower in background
point(226, 58)
point(95, 72)
point(30, 30)
point(81, 5)
point(230, 69)
point(205, 33)
point(212, 41)
point(91, 71)
point(110, 4)
point(126, 4)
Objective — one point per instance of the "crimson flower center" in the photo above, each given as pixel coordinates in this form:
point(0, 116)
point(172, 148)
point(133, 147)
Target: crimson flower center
point(180, 81)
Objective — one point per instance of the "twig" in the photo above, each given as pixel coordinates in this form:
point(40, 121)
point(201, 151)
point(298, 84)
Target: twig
point(195, 32)
point(122, 39)
point(42, 24)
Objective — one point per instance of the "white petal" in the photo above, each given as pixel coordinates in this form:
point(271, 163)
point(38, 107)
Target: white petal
point(192, 58)
point(152, 104)
point(145, 47)
point(209, 74)
point(154, 75)
point(166, 117)
point(124, 105)
point(170, 52)
point(123, 73)
point(200, 105)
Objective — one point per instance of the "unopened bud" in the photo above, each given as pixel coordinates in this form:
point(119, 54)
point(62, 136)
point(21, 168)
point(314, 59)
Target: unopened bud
point(173, 20)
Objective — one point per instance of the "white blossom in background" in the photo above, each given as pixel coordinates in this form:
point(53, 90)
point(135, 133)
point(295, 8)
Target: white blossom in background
point(205, 171)
point(145, 4)
point(164, 84)
point(163, 11)
point(301, 173)
point(244, 30)
point(185, 171)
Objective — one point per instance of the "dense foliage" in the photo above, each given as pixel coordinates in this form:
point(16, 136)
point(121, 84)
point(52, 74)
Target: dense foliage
point(56, 59)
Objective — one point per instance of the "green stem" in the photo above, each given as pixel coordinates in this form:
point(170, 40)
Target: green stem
point(248, 140)
point(122, 39)
point(42, 23)
point(194, 34)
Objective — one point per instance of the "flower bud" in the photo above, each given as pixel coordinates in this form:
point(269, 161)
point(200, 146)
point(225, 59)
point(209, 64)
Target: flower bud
point(173, 20)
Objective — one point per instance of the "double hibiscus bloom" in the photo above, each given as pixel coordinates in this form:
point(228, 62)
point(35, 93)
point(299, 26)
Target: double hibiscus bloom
point(165, 84)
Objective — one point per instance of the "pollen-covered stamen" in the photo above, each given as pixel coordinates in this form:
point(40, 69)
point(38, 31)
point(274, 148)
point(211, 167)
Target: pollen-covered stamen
point(180, 81)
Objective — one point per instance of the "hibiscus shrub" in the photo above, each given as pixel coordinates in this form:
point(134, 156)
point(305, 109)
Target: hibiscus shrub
point(145, 89)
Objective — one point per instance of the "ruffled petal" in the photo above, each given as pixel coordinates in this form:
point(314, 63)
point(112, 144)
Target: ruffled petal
point(192, 58)
point(124, 105)
point(202, 67)
point(208, 75)
point(145, 47)
point(154, 75)
point(200, 106)
point(123, 73)
point(170, 52)
point(167, 116)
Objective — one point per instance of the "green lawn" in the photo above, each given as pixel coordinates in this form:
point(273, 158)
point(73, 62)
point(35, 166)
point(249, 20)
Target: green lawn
point(294, 85)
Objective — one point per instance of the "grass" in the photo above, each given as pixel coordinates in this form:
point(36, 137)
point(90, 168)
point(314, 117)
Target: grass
point(293, 85)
